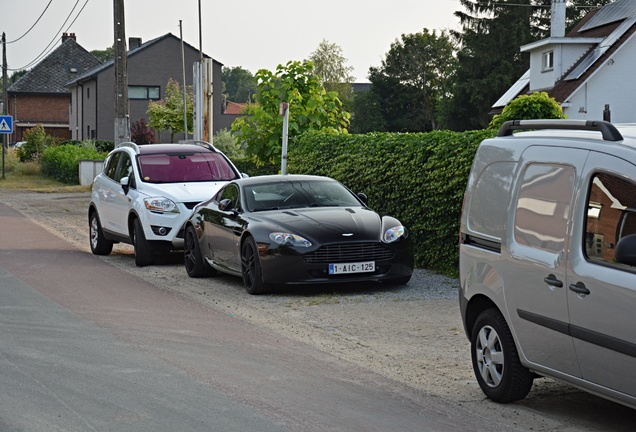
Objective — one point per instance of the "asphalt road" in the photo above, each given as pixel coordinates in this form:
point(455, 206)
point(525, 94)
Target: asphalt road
point(85, 346)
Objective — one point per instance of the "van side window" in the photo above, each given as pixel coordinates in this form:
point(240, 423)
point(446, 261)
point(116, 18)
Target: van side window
point(543, 206)
point(611, 215)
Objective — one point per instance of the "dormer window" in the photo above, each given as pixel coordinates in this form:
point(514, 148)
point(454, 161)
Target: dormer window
point(548, 61)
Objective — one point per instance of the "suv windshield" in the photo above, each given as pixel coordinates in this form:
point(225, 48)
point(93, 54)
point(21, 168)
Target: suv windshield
point(185, 167)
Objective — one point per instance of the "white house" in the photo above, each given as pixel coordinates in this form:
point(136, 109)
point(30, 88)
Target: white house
point(589, 70)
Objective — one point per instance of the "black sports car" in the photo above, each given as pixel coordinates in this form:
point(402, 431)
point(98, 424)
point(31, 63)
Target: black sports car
point(295, 229)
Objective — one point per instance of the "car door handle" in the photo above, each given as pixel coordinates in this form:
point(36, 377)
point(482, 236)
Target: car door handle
point(579, 288)
point(553, 281)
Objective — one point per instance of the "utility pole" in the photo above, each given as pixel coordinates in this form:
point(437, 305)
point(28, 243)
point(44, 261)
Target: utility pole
point(185, 99)
point(5, 103)
point(122, 118)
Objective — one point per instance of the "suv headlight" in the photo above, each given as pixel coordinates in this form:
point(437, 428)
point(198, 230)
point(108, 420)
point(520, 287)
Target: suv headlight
point(161, 205)
point(393, 234)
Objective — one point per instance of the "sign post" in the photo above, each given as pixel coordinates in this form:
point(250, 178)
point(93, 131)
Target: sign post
point(6, 127)
point(284, 111)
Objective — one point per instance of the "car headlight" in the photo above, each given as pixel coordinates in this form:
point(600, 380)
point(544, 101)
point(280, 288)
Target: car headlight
point(289, 239)
point(161, 205)
point(393, 234)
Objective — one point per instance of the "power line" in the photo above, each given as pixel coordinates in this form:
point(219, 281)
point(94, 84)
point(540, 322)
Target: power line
point(49, 47)
point(37, 21)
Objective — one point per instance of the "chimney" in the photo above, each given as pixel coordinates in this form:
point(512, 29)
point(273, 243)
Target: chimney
point(66, 36)
point(134, 42)
point(557, 24)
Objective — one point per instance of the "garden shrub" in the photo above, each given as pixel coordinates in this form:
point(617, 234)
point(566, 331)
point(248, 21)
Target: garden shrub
point(62, 162)
point(419, 178)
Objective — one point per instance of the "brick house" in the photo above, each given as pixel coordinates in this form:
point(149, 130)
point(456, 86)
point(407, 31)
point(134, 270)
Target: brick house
point(41, 97)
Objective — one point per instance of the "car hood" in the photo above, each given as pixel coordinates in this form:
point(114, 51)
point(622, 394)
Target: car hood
point(326, 225)
point(184, 192)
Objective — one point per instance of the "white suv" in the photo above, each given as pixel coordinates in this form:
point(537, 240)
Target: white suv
point(145, 193)
point(548, 258)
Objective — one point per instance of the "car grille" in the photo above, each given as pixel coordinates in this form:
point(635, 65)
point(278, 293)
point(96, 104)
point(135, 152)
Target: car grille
point(191, 205)
point(349, 252)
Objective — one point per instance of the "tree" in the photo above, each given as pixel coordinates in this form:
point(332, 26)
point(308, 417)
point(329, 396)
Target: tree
point(331, 67)
point(239, 85)
point(412, 81)
point(489, 59)
point(167, 114)
point(311, 107)
point(105, 55)
point(538, 105)
point(140, 133)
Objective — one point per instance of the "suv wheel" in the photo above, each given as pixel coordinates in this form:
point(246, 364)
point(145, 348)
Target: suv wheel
point(99, 244)
point(143, 254)
point(499, 372)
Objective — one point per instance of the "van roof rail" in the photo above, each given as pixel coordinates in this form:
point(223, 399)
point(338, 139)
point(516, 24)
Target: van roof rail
point(608, 130)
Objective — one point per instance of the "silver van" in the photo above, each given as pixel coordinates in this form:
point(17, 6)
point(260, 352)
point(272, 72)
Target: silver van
point(548, 258)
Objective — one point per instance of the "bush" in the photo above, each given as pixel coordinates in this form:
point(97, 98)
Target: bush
point(99, 145)
point(419, 178)
point(36, 142)
point(225, 141)
point(62, 162)
point(538, 105)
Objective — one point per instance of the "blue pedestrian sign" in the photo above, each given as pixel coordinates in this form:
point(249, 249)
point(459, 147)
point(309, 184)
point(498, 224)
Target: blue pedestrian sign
point(6, 124)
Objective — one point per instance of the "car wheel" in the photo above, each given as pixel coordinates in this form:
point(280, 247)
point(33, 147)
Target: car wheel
point(99, 244)
point(499, 372)
point(251, 268)
point(143, 254)
point(194, 264)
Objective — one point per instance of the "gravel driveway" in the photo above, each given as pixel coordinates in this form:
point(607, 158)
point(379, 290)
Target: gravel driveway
point(412, 334)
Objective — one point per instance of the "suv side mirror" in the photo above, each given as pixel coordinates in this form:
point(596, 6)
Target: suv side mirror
point(626, 250)
point(124, 182)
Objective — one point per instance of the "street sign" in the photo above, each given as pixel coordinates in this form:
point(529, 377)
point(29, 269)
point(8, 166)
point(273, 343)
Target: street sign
point(6, 124)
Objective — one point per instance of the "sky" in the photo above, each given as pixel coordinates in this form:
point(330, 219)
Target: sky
point(252, 34)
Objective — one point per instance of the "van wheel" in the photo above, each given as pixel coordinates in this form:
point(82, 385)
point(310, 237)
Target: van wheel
point(499, 372)
point(143, 253)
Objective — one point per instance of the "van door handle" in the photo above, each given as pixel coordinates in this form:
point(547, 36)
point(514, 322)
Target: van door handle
point(553, 281)
point(579, 288)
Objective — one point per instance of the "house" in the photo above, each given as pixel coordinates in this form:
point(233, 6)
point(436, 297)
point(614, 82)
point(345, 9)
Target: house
point(150, 66)
point(41, 97)
point(587, 71)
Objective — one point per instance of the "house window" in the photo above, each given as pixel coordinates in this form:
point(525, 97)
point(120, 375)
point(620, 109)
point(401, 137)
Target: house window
point(88, 92)
point(548, 60)
point(144, 92)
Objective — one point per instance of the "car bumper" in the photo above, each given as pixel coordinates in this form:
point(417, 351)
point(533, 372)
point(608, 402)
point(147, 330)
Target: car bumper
point(284, 268)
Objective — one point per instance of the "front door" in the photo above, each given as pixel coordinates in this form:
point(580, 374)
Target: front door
point(601, 292)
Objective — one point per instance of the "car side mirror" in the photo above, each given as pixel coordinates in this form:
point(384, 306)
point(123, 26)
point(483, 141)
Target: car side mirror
point(124, 182)
point(364, 198)
point(225, 204)
point(626, 250)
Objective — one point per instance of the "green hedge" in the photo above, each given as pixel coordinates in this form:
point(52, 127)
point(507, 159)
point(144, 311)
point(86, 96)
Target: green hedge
point(62, 162)
point(419, 178)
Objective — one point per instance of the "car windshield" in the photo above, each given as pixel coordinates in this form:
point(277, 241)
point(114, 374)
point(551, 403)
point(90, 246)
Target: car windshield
point(185, 167)
point(298, 194)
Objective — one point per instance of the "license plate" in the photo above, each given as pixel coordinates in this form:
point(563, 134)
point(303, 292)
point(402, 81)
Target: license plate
point(361, 267)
